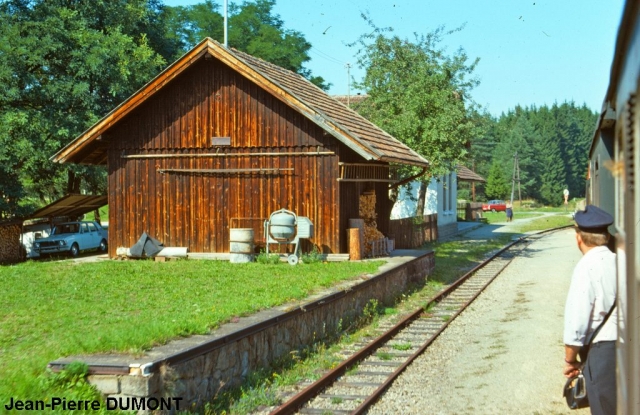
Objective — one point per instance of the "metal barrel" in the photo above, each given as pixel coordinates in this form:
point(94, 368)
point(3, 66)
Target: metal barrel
point(241, 245)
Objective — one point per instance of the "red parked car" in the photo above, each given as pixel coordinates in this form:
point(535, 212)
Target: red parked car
point(494, 206)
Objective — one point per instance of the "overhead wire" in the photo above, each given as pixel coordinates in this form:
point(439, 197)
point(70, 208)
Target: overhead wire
point(323, 55)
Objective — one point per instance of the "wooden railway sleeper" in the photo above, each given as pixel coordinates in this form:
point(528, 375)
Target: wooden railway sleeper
point(435, 320)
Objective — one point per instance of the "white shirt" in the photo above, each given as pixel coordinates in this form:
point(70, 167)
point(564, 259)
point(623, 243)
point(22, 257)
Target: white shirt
point(591, 295)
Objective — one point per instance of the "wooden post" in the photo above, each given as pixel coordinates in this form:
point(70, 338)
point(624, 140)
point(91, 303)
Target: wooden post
point(355, 254)
point(358, 223)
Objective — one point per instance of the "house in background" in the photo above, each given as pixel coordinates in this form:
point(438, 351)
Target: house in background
point(441, 198)
point(441, 193)
point(220, 140)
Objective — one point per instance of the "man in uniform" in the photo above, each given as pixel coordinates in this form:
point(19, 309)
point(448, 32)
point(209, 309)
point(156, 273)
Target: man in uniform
point(591, 295)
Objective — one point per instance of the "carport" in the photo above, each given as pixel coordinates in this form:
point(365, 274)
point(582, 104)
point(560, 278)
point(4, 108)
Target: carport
point(70, 206)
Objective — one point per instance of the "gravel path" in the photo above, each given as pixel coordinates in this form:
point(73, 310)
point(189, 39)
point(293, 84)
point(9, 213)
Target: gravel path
point(505, 354)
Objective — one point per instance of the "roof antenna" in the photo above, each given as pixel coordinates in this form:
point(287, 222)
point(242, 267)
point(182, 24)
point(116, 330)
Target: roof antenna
point(226, 4)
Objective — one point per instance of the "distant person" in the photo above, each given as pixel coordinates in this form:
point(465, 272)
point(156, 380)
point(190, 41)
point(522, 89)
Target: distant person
point(591, 296)
point(509, 212)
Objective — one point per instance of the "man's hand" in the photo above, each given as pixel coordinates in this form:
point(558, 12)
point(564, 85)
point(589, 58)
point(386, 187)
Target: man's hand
point(572, 366)
point(571, 369)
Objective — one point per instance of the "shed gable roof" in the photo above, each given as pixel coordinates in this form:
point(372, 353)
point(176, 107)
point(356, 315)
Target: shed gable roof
point(350, 128)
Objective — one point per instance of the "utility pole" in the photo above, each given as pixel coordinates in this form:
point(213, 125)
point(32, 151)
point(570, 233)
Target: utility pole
point(348, 66)
point(516, 176)
point(473, 184)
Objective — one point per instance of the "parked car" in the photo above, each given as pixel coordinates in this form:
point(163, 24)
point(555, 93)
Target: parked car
point(494, 206)
point(73, 237)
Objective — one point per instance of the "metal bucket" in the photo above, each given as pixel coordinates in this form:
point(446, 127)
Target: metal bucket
point(241, 245)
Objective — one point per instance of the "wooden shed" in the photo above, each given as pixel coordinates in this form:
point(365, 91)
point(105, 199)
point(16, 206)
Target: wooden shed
point(220, 140)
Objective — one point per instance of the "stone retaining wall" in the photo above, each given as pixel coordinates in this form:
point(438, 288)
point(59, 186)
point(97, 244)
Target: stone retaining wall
point(200, 377)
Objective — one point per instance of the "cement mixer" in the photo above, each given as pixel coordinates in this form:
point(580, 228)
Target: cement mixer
point(285, 227)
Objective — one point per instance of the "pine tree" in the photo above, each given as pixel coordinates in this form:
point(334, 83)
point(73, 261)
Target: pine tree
point(552, 145)
point(497, 186)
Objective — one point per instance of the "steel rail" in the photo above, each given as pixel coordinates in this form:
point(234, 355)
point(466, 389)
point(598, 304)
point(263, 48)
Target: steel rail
point(362, 408)
point(296, 402)
point(313, 390)
point(385, 385)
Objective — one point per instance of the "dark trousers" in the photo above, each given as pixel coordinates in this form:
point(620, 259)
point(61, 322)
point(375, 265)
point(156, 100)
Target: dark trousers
point(600, 377)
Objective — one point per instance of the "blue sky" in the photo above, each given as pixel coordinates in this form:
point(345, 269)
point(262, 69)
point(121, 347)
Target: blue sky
point(531, 52)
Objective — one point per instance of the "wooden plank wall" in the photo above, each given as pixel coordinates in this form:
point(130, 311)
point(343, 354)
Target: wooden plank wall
point(411, 233)
point(195, 210)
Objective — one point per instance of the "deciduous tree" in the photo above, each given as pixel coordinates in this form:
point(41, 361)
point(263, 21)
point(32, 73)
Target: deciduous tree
point(64, 64)
point(419, 94)
point(253, 28)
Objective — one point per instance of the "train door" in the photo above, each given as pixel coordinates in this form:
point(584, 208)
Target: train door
point(625, 169)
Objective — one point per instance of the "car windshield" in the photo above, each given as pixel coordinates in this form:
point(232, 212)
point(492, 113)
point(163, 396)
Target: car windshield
point(65, 228)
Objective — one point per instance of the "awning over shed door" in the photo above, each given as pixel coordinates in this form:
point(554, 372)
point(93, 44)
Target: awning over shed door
point(70, 205)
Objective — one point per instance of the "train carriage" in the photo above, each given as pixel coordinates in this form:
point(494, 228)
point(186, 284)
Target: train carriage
point(613, 172)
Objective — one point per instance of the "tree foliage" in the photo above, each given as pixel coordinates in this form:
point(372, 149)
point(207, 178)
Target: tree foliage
point(497, 185)
point(419, 94)
point(64, 63)
point(253, 28)
point(552, 145)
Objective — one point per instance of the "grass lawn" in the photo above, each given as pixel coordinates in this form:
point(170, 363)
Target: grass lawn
point(454, 258)
point(54, 309)
point(104, 214)
point(546, 222)
point(525, 215)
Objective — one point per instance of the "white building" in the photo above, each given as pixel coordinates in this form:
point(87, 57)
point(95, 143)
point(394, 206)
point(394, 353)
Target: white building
point(441, 198)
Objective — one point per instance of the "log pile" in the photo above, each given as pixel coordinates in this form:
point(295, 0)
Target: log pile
point(368, 213)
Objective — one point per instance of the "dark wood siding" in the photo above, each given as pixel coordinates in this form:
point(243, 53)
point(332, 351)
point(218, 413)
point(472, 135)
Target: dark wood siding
point(198, 209)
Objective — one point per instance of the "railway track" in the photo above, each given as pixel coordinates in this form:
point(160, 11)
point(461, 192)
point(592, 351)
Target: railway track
point(357, 383)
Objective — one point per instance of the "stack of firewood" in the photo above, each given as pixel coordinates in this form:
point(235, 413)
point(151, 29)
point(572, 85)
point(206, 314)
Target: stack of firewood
point(368, 213)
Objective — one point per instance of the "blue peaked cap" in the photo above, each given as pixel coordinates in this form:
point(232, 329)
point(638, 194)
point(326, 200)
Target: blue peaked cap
point(592, 218)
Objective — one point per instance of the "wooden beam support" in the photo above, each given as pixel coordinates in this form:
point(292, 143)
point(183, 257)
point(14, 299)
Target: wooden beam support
point(196, 155)
point(226, 171)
